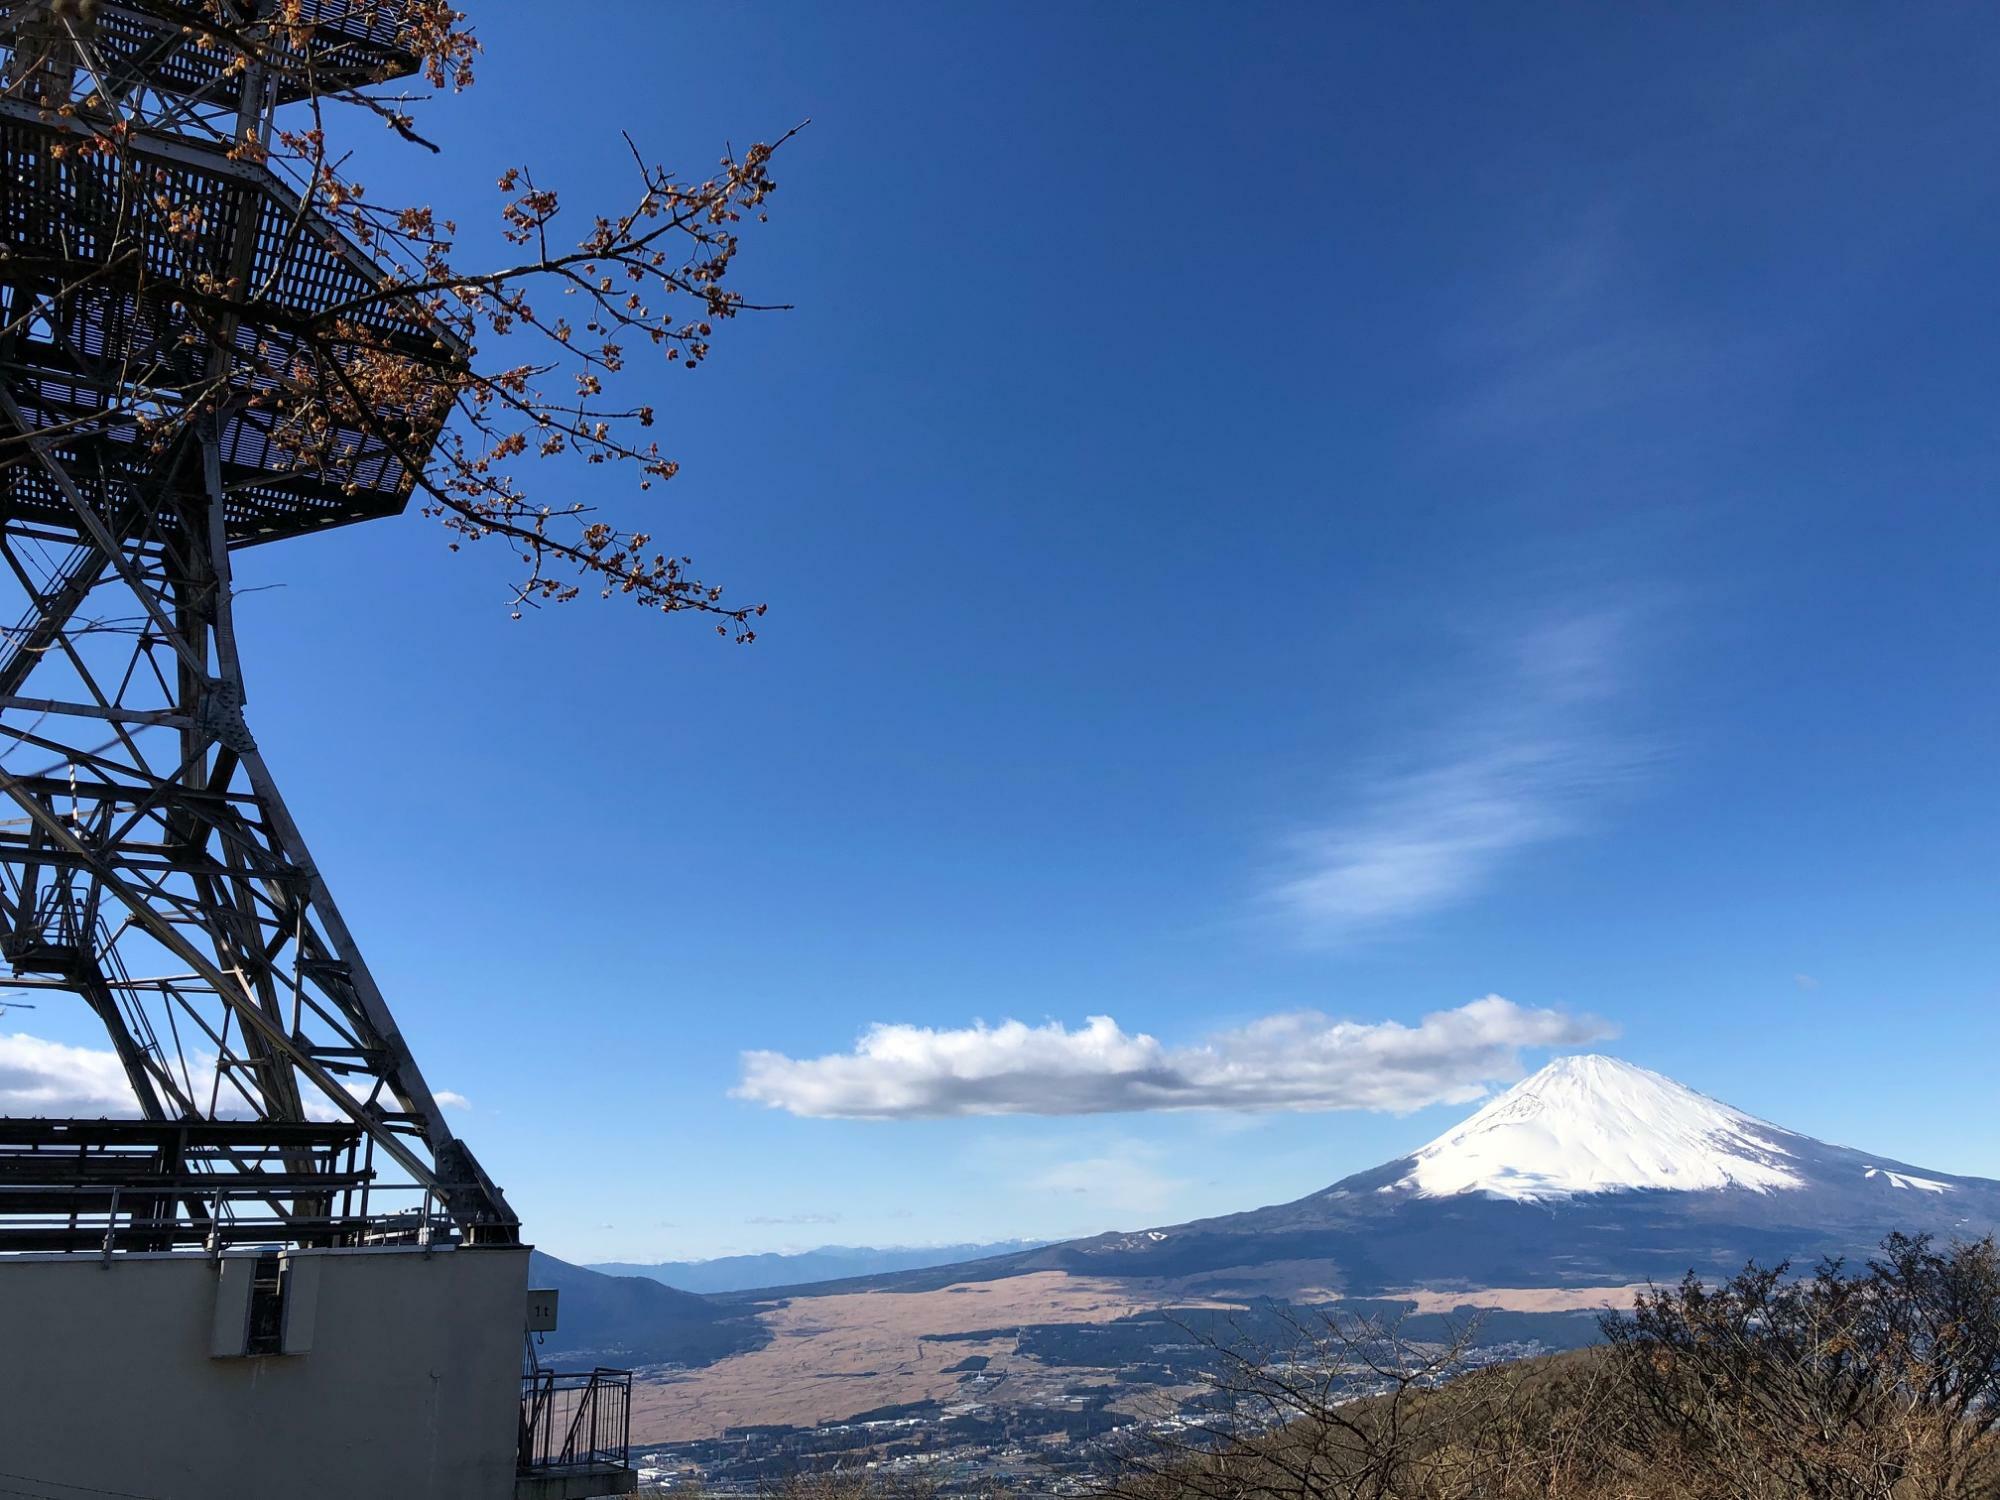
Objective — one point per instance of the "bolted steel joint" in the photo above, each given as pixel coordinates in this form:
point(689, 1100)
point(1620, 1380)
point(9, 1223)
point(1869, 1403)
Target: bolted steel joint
point(222, 715)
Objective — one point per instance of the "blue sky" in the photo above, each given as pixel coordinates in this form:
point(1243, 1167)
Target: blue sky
point(1264, 510)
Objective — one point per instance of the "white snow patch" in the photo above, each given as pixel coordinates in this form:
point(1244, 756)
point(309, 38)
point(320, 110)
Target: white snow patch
point(1599, 1125)
point(1909, 1180)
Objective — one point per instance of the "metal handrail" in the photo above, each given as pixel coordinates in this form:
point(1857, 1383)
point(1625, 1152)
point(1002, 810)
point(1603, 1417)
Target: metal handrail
point(141, 1214)
point(575, 1420)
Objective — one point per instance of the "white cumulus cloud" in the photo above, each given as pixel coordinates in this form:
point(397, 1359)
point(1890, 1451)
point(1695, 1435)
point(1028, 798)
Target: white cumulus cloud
point(53, 1079)
point(1299, 1060)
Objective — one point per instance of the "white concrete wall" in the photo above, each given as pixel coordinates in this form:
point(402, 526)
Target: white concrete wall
point(410, 1389)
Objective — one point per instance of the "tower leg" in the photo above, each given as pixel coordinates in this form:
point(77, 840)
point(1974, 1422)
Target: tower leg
point(156, 872)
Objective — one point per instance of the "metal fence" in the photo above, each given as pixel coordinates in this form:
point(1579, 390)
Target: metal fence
point(569, 1421)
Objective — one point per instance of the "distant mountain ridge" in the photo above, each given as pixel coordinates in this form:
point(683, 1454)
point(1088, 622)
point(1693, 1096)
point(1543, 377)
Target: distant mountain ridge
point(739, 1273)
point(630, 1320)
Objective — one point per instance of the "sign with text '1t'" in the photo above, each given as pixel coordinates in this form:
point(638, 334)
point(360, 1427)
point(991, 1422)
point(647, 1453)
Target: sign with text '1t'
point(541, 1310)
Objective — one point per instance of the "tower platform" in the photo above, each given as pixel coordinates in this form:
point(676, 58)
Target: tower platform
point(113, 332)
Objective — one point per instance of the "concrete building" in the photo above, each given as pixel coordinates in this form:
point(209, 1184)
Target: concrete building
point(184, 1376)
point(343, 1373)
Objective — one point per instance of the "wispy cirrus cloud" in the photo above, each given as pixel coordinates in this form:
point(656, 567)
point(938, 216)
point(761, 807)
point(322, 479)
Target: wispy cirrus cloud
point(1561, 340)
point(1529, 761)
point(1298, 1060)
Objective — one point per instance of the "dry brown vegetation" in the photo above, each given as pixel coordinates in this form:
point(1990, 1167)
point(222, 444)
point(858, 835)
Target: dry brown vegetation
point(843, 1484)
point(1878, 1385)
point(831, 1356)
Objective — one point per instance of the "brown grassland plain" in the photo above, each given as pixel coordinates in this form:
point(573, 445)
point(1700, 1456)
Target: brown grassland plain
point(830, 1357)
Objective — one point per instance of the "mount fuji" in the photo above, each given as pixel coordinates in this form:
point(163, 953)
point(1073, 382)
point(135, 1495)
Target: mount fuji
point(1548, 1204)
point(1591, 1173)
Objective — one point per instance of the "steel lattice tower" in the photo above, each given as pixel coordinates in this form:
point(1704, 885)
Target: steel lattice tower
point(148, 864)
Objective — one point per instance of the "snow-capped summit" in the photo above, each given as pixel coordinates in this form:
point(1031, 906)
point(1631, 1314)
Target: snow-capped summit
point(1599, 1125)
